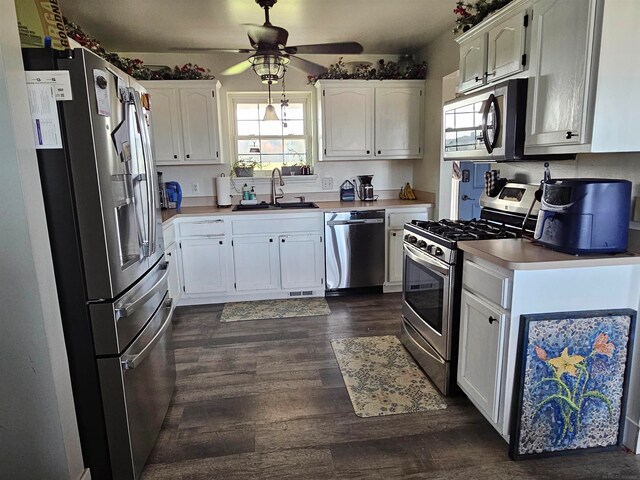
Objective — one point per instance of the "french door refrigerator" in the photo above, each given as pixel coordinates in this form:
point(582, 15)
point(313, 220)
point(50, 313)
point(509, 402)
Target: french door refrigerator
point(101, 200)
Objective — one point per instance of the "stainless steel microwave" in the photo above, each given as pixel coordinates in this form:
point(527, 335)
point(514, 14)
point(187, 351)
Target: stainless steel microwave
point(488, 125)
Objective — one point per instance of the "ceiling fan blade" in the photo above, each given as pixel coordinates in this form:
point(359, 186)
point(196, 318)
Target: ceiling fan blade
point(205, 49)
point(266, 35)
point(306, 66)
point(338, 47)
point(237, 68)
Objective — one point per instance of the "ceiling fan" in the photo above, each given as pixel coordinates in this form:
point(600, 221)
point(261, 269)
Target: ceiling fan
point(271, 55)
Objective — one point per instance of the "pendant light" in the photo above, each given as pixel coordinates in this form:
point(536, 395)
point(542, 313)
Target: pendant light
point(270, 112)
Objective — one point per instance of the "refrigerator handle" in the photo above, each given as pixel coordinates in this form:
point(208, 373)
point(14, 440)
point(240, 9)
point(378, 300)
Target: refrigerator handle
point(148, 167)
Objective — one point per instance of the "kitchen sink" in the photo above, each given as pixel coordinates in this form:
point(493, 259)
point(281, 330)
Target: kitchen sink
point(277, 206)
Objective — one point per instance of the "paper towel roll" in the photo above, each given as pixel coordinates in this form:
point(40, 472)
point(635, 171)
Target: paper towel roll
point(223, 191)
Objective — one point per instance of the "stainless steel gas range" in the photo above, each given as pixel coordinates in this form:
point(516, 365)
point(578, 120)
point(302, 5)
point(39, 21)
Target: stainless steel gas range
point(433, 276)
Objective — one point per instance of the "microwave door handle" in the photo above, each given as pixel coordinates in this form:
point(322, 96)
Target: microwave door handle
point(491, 101)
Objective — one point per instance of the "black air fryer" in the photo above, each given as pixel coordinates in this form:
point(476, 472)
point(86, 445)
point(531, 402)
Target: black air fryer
point(584, 215)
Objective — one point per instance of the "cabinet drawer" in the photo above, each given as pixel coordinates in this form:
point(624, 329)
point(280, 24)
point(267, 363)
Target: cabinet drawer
point(398, 219)
point(282, 225)
point(491, 285)
point(169, 234)
point(202, 228)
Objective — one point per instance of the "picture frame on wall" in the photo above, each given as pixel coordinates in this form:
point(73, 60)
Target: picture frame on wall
point(572, 375)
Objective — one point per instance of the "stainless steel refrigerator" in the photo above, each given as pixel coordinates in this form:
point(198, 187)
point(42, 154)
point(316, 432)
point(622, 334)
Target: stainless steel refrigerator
point(103, 215)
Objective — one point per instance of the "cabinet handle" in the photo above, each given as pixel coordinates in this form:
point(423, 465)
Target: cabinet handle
point(379, 152)
point(487, 74)
point(175, 156)
point(491, 320)
point(478, 78)
point(394, 234)
point(220, 242)
point(368, 152)
point(569, 135)
point(282, 240)
point(168, 254)
point(271, 240)
point(188, 156)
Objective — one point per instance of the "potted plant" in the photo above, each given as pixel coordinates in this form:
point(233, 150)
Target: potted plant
point(295, 169)
point(243, 167)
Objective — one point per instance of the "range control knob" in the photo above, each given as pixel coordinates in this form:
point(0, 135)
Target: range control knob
point(421, 244)
point(439, 252)
point(410, 239)
point(430, 249)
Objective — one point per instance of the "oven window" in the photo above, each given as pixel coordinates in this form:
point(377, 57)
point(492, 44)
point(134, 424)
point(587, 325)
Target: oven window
point(424, 292)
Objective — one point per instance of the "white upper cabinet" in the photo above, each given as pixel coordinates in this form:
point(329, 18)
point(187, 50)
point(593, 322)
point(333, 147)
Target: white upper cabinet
point(362, 119)
point(398, 125)
point(348, 121)
point(185, 121)
point(581, 95)
point(496, 48)
point(559, 82)
point(473, 62)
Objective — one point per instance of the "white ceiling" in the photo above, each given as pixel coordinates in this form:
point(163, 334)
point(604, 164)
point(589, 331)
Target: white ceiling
point(381, 26)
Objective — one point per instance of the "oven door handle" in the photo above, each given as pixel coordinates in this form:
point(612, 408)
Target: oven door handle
point(427, 262)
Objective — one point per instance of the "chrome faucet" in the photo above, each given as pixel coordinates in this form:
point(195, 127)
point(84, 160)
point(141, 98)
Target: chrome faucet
point(276, 196)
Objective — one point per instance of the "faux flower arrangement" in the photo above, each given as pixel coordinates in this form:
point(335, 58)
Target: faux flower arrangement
point(471, 14)
point(383, 71)
point(134, 66)
point(568, 386)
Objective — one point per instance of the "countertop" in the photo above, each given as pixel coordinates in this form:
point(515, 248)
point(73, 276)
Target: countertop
point(523, 254)
point(323, 207)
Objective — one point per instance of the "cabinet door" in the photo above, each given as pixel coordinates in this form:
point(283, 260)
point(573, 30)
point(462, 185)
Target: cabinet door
point(348, 122)
point(203, 265)
point(394, 257)
point(398, 126)
point(165, 125)
point(560, 43)
point(256, 263)
point(175, 288)
point(506, 47)
point(301, 261)
point(199, 125)
point(473, 58)
point(480, 356)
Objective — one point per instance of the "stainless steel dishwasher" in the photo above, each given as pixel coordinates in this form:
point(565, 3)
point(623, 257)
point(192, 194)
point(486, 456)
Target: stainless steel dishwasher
point(354, 249)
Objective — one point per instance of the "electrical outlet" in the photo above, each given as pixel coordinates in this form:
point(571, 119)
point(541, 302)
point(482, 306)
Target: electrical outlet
point(327, 183)
point(195, 187)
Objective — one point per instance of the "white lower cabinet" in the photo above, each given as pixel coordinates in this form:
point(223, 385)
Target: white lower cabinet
point(395, 261)
point(171, 256)
point(481, 347)
point(395, 219)
point(301, 261)
point(256, 264)
point(203, 265)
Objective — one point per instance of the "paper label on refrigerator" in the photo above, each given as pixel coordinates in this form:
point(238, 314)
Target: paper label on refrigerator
point(101, 86)
point(58, 78)
point(44, 116)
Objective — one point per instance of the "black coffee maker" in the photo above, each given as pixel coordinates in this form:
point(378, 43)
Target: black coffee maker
point(164, 202)
point(365, 189)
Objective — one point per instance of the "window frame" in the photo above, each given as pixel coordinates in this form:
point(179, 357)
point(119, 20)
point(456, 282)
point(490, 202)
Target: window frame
point(306, 98)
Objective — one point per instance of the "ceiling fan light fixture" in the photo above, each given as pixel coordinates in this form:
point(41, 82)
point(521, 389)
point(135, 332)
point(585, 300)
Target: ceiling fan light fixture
point(270, 68)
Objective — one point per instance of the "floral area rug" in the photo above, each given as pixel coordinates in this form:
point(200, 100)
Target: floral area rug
point(382, 378)
point(263, 309)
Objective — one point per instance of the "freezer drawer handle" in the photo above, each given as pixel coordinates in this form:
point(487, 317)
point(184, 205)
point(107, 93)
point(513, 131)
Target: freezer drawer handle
point(128, 308)
point(132, 361)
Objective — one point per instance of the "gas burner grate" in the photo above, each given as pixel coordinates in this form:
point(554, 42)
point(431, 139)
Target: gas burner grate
point(459, 230)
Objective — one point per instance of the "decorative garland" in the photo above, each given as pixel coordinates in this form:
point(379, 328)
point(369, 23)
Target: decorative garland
point(384, 71)
point(471, 14)
point(134, 66)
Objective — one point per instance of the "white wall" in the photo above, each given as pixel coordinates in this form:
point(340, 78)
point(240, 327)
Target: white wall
point(388, 174)
point(38, 430)
point(441, 56)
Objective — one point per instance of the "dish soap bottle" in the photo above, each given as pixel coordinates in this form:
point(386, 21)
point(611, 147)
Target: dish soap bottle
point(245, 192)
point(252, 194)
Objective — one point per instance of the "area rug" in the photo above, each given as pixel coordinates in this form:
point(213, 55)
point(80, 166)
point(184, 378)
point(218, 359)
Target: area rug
point(382, 378)
point(263, 309)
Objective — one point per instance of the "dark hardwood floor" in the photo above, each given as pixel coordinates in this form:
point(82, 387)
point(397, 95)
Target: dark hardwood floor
point(265, 400)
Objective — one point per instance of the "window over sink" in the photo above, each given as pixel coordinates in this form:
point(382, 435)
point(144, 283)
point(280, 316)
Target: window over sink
point(271, 143)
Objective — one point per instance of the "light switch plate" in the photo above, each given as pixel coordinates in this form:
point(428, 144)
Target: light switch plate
point(327, 183)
